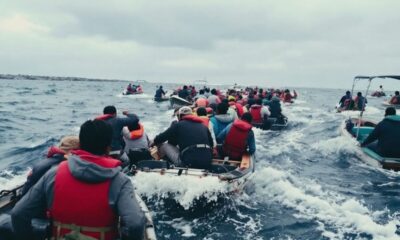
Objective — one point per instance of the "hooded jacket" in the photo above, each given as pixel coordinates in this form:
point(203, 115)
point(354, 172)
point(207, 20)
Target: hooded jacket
point(83, 167)
point(54, 157)
point(387, 132)
point(220, 122)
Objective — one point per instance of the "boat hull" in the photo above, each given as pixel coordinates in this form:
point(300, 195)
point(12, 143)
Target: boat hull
point(176, 101)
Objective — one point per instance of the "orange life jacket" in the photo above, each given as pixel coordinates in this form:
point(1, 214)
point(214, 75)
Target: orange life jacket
point(138, 133)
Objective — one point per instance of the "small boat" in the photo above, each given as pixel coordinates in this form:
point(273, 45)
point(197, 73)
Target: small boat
point(274, 124)
point(387, 104)
point(125, 92)
point(361, 129)
point(41, 227)
point(178, 102)
point(234, 173)
point(162, 99)
point(378, 94)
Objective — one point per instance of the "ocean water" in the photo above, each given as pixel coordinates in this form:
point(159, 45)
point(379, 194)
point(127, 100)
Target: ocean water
point(309, 183)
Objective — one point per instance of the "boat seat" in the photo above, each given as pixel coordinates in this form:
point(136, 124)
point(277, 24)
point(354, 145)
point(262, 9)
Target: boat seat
point(363, 132)
point(41, 228)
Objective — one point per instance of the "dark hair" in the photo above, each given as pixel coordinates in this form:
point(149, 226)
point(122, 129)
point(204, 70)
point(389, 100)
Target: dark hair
point(247, 117)
point(348, 92)
point(185, 87)
point(214, 91)
point(133, 126)
point(359, 94)
point(222, 108)
point(397, 93)
point(95, 136)
point(201, 111)
point(201, 91)
point(390, 111)
point(109, 110)
point(259, 101)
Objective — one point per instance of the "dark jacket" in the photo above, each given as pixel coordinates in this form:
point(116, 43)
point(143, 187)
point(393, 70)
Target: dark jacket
point(183, 93)
point(121, 198)
point(188, 133)
point(275, 108)
point(159, 93)
point(54, 157)
point(117, 123)
point(387, 132)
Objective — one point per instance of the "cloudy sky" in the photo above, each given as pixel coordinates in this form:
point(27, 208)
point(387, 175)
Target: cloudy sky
point(312, 43)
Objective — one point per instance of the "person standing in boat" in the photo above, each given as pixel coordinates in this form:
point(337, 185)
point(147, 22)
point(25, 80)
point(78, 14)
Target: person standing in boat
point(55, 155)
point(387, 134)
point(117, 123)
point(159, 94)
point(238, 138)
point(87, 194)
point(189, 141)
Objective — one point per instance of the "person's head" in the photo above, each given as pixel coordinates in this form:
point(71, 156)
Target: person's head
point(380, 86)
point(161, 87)
point(201, 92)
point(390, 111)
point(133, 126)
point(348, 93)
point(259, 101)
point(396, 93)
point(95, 137)
point(184, 111)
point(110, 110)
point(185, 87)
point(69, 143)
point(222, 108)
point(201, 111)
point(214, 91)
point(231, 99)
point(247, 117)
point(225, 101)
point(359, 94)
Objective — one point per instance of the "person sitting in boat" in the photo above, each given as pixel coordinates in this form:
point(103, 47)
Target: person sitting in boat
point(184, 93)
point(236, 106)
point(259, 112)
point(189, 141)
point(275, 107)
point(117, 123)
point(360, 102)
point(214, 98)
point(139, 88)
point(136, 143)
point(222, 118)
point(238, 138)
point(387, 134)
point(87, 194)
point(203, 114)
point(287, 97)
point(396, 98)
point(55, 155)
point(129, 88)
point(159, 94)
point(231, 109)
point(345, 100)
point(200, 95)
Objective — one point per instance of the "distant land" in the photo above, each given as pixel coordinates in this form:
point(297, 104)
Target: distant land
point(53, 78)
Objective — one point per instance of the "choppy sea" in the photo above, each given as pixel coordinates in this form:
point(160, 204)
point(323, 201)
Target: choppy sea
point(309, 183)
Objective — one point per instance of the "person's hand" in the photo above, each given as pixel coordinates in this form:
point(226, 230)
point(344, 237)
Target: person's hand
point(125, 112)
point(152, 143)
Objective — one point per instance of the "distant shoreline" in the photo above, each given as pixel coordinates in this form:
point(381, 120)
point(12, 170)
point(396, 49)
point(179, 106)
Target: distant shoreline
point(54, 78)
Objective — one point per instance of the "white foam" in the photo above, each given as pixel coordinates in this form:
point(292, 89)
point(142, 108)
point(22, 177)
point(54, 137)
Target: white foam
point(10, 181)
point(335, 145)
point(184, 189)
point(329, 208)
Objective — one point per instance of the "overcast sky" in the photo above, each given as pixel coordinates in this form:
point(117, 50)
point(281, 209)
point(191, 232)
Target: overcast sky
point(311, 43)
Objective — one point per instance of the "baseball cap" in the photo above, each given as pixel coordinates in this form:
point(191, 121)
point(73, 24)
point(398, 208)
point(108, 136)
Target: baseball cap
point(185, 111)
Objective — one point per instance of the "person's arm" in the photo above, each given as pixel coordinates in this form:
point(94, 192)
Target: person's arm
point(166, 135)
point(133, 221)
point(33, 205)
point(251, 141)
point(373, 136)
point(221, 136)
point(211, 128)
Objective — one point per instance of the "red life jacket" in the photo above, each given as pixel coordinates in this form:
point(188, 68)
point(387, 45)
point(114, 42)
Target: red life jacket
point(104, 117)
point(192, 118)
point(236, 140)
point(202, 102)
point(138, 133)
point(53, 150)
point(83, 204)
point(239, 109)
point(205, 120)
point(255, 112)
point(287, 97)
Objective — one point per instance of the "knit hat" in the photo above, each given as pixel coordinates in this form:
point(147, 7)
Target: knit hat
point(69, 143)
point(185, 111)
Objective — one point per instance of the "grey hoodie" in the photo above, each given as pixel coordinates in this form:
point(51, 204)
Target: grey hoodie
point(121, 198)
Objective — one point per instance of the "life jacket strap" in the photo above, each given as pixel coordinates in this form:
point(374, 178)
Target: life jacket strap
point(77, 228)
